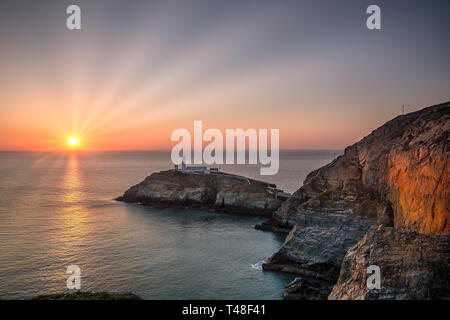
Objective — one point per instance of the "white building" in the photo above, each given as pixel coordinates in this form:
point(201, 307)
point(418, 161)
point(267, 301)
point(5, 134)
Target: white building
point(196, 169)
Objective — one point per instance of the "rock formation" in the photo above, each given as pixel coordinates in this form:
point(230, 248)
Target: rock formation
point(211, 191)
point(305, 289)
point(317, 244)
point(412, 265)
point(396, 177)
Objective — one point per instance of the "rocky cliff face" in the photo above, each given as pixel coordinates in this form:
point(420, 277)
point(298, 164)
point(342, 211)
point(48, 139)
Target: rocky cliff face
point(331, 213)
point(397, 177)
point(213, 191)
point(317, 244)
point(412, 265)
point(306, 289)
point(398, 174)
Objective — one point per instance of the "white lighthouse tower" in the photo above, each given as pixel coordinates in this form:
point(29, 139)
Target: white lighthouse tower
point(183, 164)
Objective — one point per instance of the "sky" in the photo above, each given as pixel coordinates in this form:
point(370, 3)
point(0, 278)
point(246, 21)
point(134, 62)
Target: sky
point(138, 70)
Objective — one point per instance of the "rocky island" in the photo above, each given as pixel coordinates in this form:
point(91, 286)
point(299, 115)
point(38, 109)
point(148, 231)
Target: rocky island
point(206, 189)
point(385, 202)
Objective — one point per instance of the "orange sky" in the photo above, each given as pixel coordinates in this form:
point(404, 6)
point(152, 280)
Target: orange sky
point(130, 77)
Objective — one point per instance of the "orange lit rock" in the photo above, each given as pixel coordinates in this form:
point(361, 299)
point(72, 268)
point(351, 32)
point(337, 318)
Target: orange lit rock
point(398, 172)
point(396, 177)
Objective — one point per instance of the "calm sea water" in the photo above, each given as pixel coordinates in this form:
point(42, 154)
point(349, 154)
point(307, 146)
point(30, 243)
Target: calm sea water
point(56, 210)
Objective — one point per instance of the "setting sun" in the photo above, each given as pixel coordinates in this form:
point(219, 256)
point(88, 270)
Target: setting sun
point(73, 141)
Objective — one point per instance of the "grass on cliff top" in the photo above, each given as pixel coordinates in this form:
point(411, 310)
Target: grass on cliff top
point(79, 295)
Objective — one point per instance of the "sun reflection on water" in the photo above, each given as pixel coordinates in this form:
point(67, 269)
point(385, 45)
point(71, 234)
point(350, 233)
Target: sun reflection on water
point(72, 182)
point(74, 220)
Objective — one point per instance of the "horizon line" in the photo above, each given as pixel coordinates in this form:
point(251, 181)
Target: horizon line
point(164, 150)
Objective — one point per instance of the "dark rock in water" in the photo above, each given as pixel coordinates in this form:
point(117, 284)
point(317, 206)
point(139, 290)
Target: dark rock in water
point(209, 191)
point(317, 244)
point(87, 295)
point(412, 265)
point(273, 226)
point(395, 177)
point(303, 289)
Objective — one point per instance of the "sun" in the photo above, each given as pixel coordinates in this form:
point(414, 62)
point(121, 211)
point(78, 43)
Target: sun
point(73, 141)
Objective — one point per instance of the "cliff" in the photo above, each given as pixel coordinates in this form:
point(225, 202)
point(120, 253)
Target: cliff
point(209, 191)
point(413, 266)
point(396, 177)
point(403, 166)
point(317, 244)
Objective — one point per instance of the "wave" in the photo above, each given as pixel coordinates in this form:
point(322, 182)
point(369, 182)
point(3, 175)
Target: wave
point(258, 265)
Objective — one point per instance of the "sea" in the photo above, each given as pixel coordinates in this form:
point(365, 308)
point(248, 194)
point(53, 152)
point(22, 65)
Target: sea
point(57, 210)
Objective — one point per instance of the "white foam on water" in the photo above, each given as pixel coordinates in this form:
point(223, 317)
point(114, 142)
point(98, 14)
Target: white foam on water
point(258, 265)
